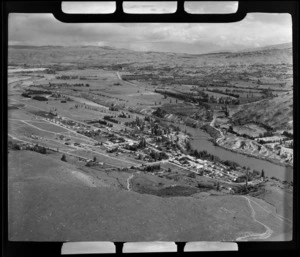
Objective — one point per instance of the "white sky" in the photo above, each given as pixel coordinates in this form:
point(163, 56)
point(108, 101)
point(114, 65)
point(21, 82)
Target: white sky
point(150, 7)
point(255, 30)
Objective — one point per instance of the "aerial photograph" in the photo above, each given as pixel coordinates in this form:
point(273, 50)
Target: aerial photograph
point(150, 131)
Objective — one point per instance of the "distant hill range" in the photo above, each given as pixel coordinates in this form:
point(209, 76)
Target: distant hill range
point(269, 47)
point(106, 55)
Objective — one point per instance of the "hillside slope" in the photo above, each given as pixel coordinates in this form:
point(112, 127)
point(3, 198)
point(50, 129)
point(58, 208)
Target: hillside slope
point(276, 113)
point(92, 55)
point(47, 203)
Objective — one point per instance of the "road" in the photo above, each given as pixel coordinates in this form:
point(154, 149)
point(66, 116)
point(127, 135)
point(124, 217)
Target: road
point(212, 124)
point(128, 182)
point(256, 236)
point(269, 231)
point(279, 217)
point(120, 78)
point(118, 75)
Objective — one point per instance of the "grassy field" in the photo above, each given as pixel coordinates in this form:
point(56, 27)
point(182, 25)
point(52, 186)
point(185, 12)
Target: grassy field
point(65, 209)
point(115, 161)
point(48, 126)
point(250, 129)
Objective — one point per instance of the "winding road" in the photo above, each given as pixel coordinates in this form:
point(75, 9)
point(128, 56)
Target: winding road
point(212, 124)
point(256, 236)
point(267, 234)
point(128, 182)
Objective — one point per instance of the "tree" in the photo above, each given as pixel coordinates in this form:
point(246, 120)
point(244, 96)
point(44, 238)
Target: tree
point(188, 146)
point(246, 183)
point(192, 175)
point(262, 175)
point(218, 186)
point(16, 147)
point(63, 158)
point(94, 159)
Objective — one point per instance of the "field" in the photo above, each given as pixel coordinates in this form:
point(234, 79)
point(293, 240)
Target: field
point(252, 130)
point(48, 126)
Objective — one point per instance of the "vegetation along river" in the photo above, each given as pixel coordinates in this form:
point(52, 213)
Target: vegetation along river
point(201, 142)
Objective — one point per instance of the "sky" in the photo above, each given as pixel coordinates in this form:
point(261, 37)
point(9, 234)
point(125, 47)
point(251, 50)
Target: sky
point(255, 30)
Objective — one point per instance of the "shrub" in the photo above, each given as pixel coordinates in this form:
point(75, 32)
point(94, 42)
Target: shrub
point(63, 158)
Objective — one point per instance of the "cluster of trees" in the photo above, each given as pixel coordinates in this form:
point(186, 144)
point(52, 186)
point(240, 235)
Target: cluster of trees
point(92, 163)
point(211, 131)
point(123, 115)
point(89, 133)
point(134, 147)
point(39, 149)
point(13, 146)
point(113, 108)
point(68, 85)
point(103, 122)
point(230, 129)
point(181, 96)
point(26, 95)
point(159, 113)
point(66, 77)
point(287, 134)
point(40, 98)
point(230, 164)
point(224, 93)
point(221, 100)
point(266, 134)
point(210, 157)
point(37, 91)
point(158, 156)
point(36, 148)
point(152, 167)
point(110, 118)
point(204, 155)
point(138, 122)
point(142, 143)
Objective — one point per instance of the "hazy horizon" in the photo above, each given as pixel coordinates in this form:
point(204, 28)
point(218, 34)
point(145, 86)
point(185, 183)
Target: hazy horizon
point(255, 30)
point(127, 49)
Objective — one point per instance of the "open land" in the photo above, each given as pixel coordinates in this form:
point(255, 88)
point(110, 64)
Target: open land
point(97, 138)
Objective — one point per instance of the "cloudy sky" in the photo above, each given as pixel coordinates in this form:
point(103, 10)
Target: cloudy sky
point(256, 30)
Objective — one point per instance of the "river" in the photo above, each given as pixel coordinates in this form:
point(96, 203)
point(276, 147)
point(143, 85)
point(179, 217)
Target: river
point(201, 142)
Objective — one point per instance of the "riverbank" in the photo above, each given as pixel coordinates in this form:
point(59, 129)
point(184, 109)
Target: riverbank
point(276, 162)
point(215, 140)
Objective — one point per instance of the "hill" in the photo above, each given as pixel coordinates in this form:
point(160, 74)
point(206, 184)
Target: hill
point(92, 55)
point(276, 113)
point(49, 202)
